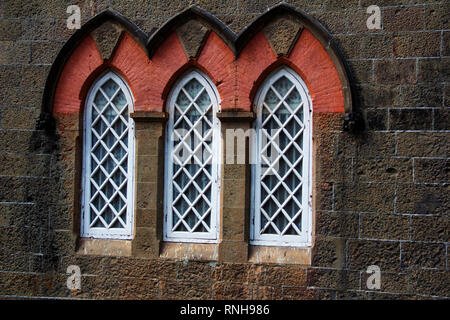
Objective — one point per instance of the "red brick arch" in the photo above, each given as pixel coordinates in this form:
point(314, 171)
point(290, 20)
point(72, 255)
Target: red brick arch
point(86, 64)
point(308, 58)
point(235, 66)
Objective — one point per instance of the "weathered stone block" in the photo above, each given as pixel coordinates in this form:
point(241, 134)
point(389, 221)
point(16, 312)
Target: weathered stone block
point(292, 293)
point(362, 70)
point(378, 96)
point(336, 279)
point(234, 193)
point(390, 282)
point(411, 45)
point(329, 253)
point(146, 195)
point(310, 5)
point(418, 255)
point(192, 36)
point(257, 6)
point(106, 37)
point(267, 293)
point(431, 170)
point(422, 96)
point(232, 272)
point(285, 275)
point(377, 46)
point(147, 168)
point(24, 97)
point(436, 17)
point(337, 224)
point(436, 229)
point(423, 144)
point(25, 239)
point(14, 52)
point(384, 254)
point(234, 224)
point(163, 9)
point(351, 46)
point(383, 169)
point(146, 242)
point(395, 71)
point(423, 199)
point(233, 251)
point(370, 197)
point(410, 119)
point(441, 119)
point(185, 290)
point(34, 76)
point(384, 226)
point(89, 265)
point(368, 144)
point(133, 10)
point(10, 76)
point(137, 289)
point(430, 282)
point(336, 21)
point(281, 34)
point(434, 70)
point(403, 18)
point(446, 44)
point(232, 291)
point(44, 52)
point(9, 30)
point(194, 271)
point(237, 22)
point(19, 284)
point(14, 261)
point(39, 29)
point(323, 196)
point(376, 119)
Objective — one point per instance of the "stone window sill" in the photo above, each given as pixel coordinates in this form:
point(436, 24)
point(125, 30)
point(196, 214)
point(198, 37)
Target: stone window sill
point(279, 255)
point(189, 251)
point(104, 247)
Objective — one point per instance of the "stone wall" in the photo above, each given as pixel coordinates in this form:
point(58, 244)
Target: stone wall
point(382, 194)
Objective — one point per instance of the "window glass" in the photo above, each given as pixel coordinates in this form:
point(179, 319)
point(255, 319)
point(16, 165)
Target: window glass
point(193, 152)
point(281, 179)
point(108, 165)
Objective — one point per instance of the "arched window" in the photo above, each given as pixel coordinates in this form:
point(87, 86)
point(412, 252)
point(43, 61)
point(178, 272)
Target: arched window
point(192, 161)
point(281, 186)
point(108, 160)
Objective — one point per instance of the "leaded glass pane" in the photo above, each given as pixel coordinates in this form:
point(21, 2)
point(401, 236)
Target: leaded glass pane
point(109, 157)
point(191, 156)
point(282, 129)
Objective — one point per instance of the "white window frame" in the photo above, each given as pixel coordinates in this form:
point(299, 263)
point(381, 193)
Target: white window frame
point(103, 233)
point(304, 239)
point(185, 236)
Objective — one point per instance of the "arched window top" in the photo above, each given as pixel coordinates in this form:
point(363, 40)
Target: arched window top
point(282, 88)
point(107, 206)
point(108, 85)
point(193, 91)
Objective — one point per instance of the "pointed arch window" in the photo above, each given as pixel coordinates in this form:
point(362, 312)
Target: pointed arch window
point(108, 160)
point(192, 161)
point(281, 186)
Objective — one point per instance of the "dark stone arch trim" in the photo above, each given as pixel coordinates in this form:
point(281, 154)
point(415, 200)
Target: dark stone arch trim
point(193, 12)
point(69, 47)
point(317, 29)
point(235, 42)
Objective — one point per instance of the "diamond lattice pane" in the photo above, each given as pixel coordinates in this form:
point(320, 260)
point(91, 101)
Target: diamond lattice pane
point(109, 157)
point(191, 157)
point(282, 153)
